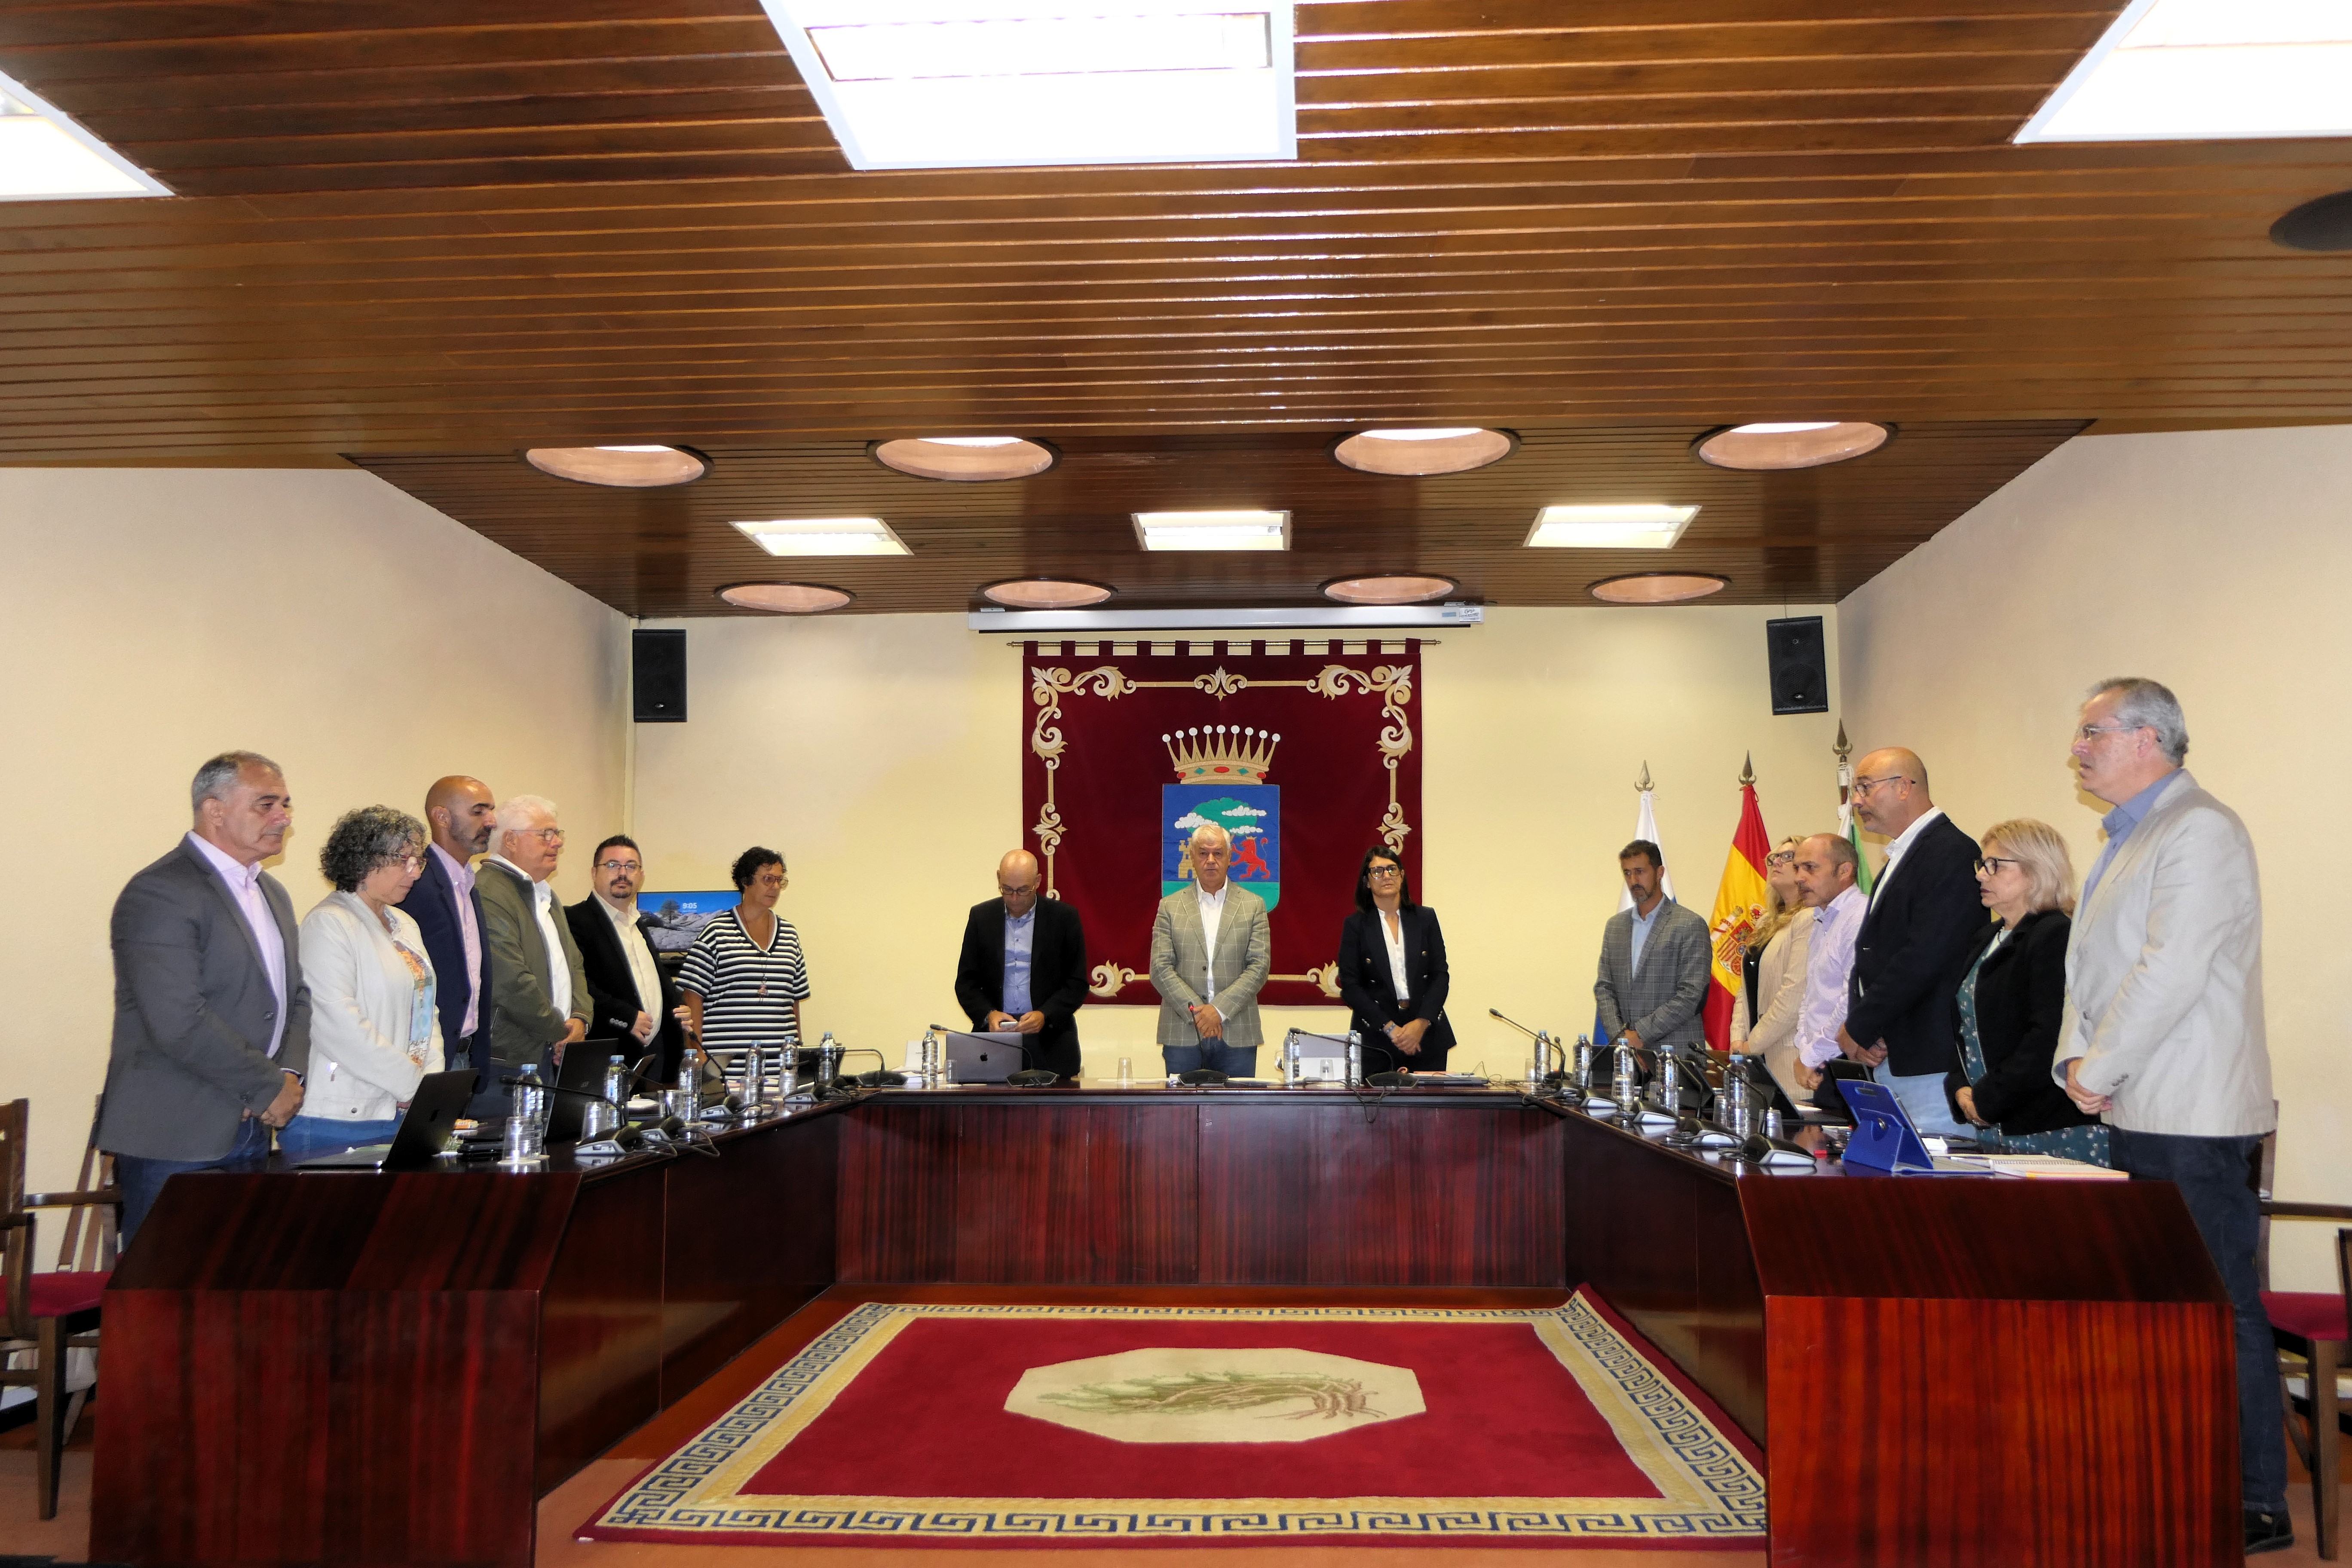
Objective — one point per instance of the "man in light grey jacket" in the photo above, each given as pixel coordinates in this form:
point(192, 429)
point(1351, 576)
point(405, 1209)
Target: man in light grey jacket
point(2163, 1029)
point(212, 1021)
point(1211, 950)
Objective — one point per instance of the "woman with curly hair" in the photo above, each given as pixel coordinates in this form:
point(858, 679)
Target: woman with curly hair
point(373, 1032)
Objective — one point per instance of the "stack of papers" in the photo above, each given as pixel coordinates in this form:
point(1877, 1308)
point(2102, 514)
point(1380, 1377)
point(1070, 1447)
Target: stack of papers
point(2042, 1167)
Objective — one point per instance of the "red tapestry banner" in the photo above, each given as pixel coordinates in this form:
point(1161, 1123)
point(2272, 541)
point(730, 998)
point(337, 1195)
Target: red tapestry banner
point(1304, 753)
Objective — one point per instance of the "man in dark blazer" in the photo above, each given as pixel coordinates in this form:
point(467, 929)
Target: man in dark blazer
point(1913, 950)
point(635, 1003)
point(1041, 998)
point(461, 812)
point(212, 1021)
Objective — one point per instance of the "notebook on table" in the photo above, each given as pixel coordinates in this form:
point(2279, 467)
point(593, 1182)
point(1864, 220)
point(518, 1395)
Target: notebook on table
point(425, 1130)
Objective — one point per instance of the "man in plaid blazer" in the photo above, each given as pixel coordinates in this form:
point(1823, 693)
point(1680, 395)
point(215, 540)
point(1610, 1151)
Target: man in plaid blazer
point(1210, 953)
point(1653, 961)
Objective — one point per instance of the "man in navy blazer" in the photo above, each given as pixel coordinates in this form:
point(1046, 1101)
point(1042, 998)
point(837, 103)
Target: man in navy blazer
point(461, 812)
point(1913, 950)
point(1039, 993)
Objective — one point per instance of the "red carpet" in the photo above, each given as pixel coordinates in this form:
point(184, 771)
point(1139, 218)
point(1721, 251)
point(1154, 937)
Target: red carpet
point(1084, 1425)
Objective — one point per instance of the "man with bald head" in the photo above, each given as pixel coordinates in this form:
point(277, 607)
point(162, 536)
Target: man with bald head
point(1913, 949)
point(1024, 967)
point(459, 811)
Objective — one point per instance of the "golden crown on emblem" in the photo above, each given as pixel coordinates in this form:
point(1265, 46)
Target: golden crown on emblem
point(1222, 753)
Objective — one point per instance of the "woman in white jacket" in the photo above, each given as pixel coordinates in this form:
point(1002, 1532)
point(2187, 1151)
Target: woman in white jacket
point(373, 1032)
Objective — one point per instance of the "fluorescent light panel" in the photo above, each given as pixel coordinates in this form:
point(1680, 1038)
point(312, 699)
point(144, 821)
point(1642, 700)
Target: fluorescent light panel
point(2207, 70)
point(824, 536)
point(1213, 530)
point(1634, 527)
point(46, 156)
point(958, 84)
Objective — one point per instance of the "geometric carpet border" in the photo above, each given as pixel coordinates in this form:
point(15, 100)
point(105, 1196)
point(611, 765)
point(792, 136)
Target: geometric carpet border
point(1711, 1492)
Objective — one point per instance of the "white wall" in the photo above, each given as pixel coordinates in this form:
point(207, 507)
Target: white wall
point(2216, 562)
point(368, 644)
point(882, 754)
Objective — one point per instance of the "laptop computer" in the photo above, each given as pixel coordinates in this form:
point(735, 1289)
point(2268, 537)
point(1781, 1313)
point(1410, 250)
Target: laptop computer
point(424, 1132)
point(584, 1072)
point(986, 1058)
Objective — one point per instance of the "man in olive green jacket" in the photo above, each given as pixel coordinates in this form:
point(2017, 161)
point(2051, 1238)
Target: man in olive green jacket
point(539, 990)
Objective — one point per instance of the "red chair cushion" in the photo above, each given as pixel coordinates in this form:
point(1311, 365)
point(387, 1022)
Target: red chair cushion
point(2306, 1313)
point(57, 1295)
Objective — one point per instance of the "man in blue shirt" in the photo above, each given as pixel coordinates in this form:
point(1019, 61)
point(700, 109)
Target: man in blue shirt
point(1022, 969)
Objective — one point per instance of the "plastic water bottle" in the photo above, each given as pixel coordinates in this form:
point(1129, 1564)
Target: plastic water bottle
point(1736, 1109)
point(689, 1069)
point(1622, 1085)
point(1355, 1058)
point(616, 1079)
point(529, 1098)
point(1584, 1061)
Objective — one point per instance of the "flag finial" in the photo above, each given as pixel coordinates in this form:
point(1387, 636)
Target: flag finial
point(1748, 771)
point(1844, 748)
point(1643, 784)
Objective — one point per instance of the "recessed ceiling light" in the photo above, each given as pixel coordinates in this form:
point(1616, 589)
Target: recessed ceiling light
point(960, 84)
point(2207, 70)
point(965, 458)
point(1448, 450)
point(630, 468)
point(2325, 223)
point(46, 156)
point(786, 598)
point(823, 536)
point(1391, 588)
point(1045, 594)
point(1807, 444)
point(1643, 527)
point(1213, 530)
point(1657, 587)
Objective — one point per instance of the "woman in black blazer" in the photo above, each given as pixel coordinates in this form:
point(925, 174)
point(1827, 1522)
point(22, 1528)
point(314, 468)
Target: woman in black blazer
point(2007, 1013)
point(1411, 1033)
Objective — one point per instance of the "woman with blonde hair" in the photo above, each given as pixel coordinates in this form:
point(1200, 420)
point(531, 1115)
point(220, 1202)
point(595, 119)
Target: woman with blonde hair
point(1764, 1022)
point(2007, 1013)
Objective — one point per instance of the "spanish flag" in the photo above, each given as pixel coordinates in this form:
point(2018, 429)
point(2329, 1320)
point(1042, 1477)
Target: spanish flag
point(1738, 908)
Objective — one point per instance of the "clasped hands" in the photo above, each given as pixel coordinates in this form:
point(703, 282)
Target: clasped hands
point(282, 1110)
point(1028, 1023)
point(1407, 1036)
point(1868, 1055)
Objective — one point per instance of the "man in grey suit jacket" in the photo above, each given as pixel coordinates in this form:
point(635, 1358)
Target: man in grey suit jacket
point(539, 988)
point(2163, 1029)
point(212, 1021)
point(1653, 961)
point(1210, 953)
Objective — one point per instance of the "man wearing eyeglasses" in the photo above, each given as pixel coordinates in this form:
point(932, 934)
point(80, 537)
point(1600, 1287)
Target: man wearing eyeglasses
point(1912, 951)
point(2163, 1034)
point(539, 993)
point(632, 1002)
point(1022, 969)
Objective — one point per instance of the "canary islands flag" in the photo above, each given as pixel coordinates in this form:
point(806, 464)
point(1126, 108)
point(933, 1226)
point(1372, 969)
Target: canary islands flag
point(1738, 908)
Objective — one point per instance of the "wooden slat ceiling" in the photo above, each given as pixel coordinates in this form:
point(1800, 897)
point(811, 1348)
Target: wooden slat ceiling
point(421, 235)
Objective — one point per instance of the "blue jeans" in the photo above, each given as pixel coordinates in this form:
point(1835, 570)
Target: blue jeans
point(2211, 1175)
point(142, 1179)
point(1233, 1061)
point(1922, 1095)
point(308, 1137)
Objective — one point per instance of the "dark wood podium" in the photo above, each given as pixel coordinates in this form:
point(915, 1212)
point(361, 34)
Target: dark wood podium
point(313, 1368)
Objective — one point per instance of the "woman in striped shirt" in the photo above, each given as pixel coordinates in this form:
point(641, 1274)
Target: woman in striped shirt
point(743, 979)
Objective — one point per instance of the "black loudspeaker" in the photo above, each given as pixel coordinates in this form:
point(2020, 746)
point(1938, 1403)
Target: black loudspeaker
point(657, 675)
point(1800, 670)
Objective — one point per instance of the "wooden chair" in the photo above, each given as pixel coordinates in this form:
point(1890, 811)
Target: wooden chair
point(49, 1315)
point(2310, 1328)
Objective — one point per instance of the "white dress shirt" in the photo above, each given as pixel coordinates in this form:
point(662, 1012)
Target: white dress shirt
point(559, 973)
point(1213, 914)
point(640, 956)
point(1900, 845)
point(1394, 942)
point(245, 886)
